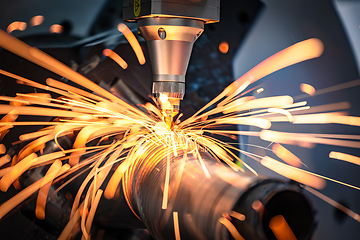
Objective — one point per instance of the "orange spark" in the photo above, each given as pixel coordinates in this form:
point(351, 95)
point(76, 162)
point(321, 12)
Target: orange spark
point(307, 88)
point(237, 215)
point(69, 88)
point(338, 87)
point(304, 139)
point(259, 90)
point(281, 229)
point(267, 102)
point(296, 53)
point(257, 205)
point(27, 192)
point(293, 173)
point(115, 180)
point(21, 26)
point(2, 149)
point(4, 160)
point(251, 121)
point(56, 28)
point(133, 42)
point(44, 190)
point(224, 47)
point(347, 120)
point(114, 56)
point(44, 60)
point(231, 228)
point(282, 111)
point(176, 226)
point(166, 185)
point(286, 155)
point(321, 118)
point(93, 208)
point(345, 157)
point(350, 213)
point(36, 20)
point(70, 225)
point(18, 169)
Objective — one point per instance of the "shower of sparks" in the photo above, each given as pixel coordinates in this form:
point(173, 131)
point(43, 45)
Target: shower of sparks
point(128, 139)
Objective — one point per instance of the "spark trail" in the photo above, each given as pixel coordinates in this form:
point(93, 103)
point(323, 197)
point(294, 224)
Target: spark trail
point(125, 136)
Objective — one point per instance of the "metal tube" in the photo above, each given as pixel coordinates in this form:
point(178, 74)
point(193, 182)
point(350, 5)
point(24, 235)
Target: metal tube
point(201, 201)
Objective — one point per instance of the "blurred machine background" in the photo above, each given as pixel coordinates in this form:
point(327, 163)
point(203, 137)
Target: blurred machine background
point(253, 30)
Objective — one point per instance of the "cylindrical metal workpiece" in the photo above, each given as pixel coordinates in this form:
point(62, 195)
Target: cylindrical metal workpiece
point(201, 196)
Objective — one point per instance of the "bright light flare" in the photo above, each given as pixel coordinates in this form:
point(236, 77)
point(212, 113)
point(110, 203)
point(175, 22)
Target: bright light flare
point(163, 98)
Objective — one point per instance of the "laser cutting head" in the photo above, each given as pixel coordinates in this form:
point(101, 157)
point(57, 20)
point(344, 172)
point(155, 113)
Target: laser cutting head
point(170, 29)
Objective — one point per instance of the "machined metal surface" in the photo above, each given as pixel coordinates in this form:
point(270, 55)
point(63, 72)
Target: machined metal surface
point(170, 42)
point(201, 201)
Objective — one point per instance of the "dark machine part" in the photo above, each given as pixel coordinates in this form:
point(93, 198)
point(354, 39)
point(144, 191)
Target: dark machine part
point(204, 10)
point(202, 201)
point(170, 29)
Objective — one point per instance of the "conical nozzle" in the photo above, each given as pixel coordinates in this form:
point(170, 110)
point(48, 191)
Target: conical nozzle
point(170, 42)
